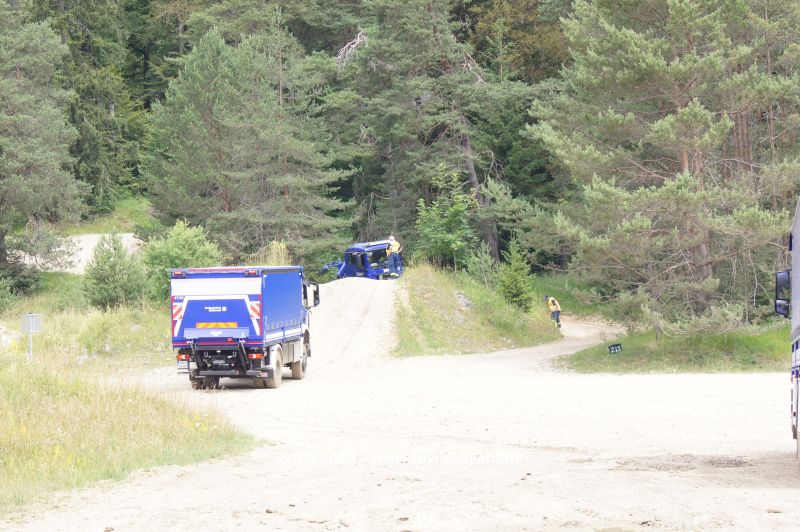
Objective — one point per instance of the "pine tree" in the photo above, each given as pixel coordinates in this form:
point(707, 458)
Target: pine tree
point(103, 112)
point(514, 279)
point(35, 182)
point(515, 40)
point(113, 277)
point(411, 85)
point(231, 150)
point(655, 117)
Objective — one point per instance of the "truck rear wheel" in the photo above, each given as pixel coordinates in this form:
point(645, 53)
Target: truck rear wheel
point(277, 376)
point(197, 384)
point(299, 367)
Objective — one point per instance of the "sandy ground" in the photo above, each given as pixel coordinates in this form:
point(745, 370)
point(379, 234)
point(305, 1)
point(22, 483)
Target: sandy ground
point(85, 244)
point(481, 442)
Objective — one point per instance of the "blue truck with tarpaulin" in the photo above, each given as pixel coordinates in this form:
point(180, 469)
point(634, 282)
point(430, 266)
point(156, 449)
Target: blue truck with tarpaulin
point(241, 323)
point(366, 259)
point(787, 304)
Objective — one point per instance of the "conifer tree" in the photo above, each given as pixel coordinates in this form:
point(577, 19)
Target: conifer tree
point(35, 181)
point(230, 151)
point(102, 110)
point(652, 117)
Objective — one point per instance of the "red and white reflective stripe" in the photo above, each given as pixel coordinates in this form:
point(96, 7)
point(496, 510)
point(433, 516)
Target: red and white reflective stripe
point(178, 309)
point(254, 307)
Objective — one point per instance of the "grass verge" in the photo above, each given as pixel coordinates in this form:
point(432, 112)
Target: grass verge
point(60, 429)
point(756, 349)
point(63, 432)
point(76, 334)
point(572, 294)
point(127, 214)
point(447, 313)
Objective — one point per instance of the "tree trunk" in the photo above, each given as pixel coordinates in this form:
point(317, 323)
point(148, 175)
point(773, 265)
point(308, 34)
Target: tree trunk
point(488, 226)
point(3, 250)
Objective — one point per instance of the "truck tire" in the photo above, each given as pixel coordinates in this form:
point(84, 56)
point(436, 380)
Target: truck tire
point(299, 367)
point(277, 377)
point(197, 384)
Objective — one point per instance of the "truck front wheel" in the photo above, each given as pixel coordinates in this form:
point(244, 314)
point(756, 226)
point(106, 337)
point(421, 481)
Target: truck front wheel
point(277, 376)
point(299, 367)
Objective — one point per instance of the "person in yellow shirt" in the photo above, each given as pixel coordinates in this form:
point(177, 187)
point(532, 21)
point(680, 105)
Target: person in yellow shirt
point(555, 310)
point(393, 254)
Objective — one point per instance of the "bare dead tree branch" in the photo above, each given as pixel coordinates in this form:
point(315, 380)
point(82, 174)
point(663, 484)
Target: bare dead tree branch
point(347, 51)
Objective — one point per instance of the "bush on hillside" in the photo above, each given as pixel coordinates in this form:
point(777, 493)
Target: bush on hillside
point(6, 296)
point(182, 247)
point(113, 277)
point(19, 278)
point(276, 253)
point(481, 265)
point(515, 277)
point(444, 228)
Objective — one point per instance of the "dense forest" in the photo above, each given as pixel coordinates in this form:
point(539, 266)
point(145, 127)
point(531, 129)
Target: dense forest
point(649, 148)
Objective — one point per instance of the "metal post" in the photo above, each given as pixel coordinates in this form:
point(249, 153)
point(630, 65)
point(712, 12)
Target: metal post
point(30, 337)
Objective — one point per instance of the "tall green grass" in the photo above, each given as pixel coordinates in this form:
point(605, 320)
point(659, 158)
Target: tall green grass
point(59, 432)
point(134, 336)
point(126, 215)
point(752, 349)
point(574, 295)
point(63, 425)
point(447, 313)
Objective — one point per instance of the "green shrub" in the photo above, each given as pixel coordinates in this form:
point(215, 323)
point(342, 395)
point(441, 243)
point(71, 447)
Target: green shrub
point(19, 279)
point(113, 277)
point(481, 265)
point(515, 278)
point(182, 247)
point(6, 296)
point(444, 228)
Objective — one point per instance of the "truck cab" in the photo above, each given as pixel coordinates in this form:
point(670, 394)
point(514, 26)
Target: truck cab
point(366, 259)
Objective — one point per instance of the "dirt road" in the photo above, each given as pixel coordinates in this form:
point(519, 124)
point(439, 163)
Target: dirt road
point(496, 441)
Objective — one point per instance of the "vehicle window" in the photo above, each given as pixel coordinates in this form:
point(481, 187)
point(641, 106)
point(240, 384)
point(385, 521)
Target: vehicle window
point(355, 259)
point(377, 256)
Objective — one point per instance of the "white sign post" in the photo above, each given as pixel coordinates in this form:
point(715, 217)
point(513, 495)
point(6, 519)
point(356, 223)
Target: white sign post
point(31, 323)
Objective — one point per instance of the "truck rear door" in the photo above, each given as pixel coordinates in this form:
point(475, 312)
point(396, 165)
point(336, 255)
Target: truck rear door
point(211, 309)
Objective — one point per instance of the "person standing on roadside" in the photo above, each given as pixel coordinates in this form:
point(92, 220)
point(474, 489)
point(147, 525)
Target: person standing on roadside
point(555, 310)
point(393, 252)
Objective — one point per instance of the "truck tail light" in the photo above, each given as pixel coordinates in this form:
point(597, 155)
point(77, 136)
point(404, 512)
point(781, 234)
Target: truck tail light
point(178, 274)
point(183, 356)
point(255, 356)
point(251, 273)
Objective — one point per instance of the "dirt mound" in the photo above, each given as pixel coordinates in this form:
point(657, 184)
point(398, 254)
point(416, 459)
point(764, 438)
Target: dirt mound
point(85, 244)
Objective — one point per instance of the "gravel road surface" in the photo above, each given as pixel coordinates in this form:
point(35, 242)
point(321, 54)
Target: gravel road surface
point(480, 442)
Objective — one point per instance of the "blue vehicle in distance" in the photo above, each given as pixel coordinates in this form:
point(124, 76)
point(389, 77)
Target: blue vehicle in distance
point(365, 259)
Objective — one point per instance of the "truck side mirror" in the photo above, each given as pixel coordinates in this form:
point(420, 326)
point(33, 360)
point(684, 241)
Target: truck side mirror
point(783, 291)
point(316, 294)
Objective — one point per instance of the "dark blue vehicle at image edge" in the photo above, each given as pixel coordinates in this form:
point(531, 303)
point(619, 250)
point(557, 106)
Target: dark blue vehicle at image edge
point(365, 259)
point(241, 323)
point(787, 304)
